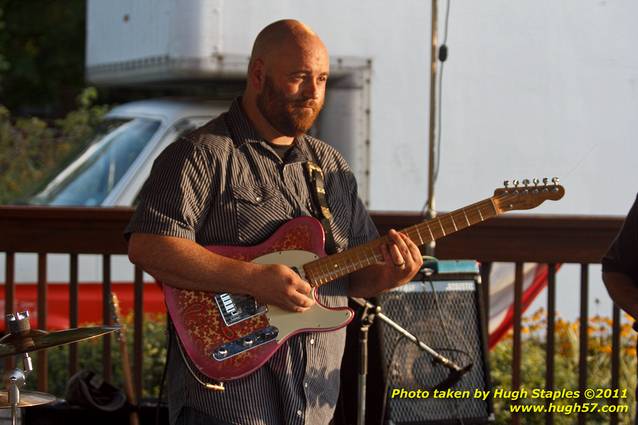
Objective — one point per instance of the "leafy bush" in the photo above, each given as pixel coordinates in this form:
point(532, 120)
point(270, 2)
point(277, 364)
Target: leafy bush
point(533, 366)
point(32, 149)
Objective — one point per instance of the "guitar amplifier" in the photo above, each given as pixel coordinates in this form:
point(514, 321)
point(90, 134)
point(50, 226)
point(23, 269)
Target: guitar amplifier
point(445, 312)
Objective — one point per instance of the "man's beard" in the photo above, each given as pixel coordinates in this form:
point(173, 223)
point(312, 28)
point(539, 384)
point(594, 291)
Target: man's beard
point(289, 116)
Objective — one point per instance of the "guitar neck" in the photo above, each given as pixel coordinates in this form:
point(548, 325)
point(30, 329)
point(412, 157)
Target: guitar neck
point(327, 269)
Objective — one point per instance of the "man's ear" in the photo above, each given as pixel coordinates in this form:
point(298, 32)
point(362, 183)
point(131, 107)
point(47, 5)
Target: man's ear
point(257, 75)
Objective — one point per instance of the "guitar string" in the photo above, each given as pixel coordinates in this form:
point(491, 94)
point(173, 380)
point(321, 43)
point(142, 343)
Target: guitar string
point(327, 274)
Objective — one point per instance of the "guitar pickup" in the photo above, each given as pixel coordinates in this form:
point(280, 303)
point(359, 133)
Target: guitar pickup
point(245, 343)
point(235, 308)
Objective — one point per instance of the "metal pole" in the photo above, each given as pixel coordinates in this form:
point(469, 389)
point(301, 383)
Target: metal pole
point(431, 212)
point(367, 318)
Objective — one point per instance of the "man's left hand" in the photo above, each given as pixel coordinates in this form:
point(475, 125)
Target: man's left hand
point(401, 259)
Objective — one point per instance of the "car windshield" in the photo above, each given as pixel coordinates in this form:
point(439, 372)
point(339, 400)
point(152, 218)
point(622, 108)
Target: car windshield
point(89, 179)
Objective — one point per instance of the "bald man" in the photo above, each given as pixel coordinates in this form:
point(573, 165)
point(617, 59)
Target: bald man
point(234, 181)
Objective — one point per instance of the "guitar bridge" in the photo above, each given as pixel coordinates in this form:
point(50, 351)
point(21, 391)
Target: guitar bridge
point(245, 343)
point(235, 308)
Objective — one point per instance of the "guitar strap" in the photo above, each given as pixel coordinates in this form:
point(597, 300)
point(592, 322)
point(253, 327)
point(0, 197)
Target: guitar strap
point(315, 179)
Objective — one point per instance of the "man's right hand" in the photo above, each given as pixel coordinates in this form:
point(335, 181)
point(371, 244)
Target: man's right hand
point(184, 264)
point(281, 286)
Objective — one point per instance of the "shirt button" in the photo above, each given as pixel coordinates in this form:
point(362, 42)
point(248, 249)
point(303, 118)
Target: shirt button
point(258, 199)
point(305, 385)
point(299, 413)
point(312, 341)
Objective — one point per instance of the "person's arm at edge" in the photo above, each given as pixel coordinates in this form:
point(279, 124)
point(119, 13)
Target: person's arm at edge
point(623, 291)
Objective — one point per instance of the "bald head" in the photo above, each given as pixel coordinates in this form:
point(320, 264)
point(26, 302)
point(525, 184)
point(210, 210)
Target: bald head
point(282, 38)
point(286, 81)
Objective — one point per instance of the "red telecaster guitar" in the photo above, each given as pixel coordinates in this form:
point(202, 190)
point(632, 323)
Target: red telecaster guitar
point(228, 336)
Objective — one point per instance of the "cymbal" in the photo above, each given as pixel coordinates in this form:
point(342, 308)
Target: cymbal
point(34, 339)
point(27, 398)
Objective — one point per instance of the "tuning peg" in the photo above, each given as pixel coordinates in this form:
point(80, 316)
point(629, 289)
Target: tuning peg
point(506, 183)
point(555, 180)
point(516, 183)
point(536, 181)
point(526, 182)
point(545, 180)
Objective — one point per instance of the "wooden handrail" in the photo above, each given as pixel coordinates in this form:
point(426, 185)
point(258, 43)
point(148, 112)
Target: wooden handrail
point(516, 237)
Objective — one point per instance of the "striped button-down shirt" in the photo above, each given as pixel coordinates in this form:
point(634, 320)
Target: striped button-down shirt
point(224, 185)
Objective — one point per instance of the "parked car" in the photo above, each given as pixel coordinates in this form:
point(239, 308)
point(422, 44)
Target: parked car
point(109, 172)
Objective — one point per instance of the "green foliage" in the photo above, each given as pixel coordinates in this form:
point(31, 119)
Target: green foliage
point(42, 46)
point(4, 64)
point(533, 367)
point(31, 149)
point(90, 357)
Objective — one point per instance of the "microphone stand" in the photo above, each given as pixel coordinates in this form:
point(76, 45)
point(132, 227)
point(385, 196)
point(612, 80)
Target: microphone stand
point(369, 314)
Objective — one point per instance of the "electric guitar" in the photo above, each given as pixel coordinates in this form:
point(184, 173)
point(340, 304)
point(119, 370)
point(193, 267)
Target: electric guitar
point(228, 336)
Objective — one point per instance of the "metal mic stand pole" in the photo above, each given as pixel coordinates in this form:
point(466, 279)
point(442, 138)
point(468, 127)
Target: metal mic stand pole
point(438, 358)
point(367, 319)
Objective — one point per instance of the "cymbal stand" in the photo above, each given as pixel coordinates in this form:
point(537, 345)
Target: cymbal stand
point(14, 382)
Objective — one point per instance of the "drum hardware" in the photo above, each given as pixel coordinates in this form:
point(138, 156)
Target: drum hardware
point(20, 341)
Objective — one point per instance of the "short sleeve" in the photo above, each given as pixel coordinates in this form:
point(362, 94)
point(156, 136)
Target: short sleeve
point(622, 255)
point(176, 194)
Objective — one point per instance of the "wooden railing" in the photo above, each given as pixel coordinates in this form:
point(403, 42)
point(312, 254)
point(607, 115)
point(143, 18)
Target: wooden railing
point(514, 238)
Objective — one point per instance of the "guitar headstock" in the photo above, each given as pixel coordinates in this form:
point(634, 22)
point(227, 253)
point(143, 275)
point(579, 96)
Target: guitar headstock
point(525, 196)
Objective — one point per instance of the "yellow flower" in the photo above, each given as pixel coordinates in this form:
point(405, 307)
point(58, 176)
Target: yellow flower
point(605, 349)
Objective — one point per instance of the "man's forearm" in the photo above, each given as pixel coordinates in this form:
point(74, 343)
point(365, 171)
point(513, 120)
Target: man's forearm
point(185, 264)
point(623, 291)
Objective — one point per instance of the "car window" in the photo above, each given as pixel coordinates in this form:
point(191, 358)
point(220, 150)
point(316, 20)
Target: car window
point(89, 179)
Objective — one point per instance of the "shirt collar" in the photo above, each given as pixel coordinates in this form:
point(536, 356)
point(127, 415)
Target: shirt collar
point(244, 132)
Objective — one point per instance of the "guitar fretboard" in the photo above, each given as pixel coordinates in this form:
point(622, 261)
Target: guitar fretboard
point(329, 268)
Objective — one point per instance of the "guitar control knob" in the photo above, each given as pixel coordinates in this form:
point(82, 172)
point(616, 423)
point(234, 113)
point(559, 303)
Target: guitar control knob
point(247, 342)
point(222, 352)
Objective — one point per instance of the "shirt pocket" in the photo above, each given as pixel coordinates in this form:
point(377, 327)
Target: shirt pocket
point(260, 211)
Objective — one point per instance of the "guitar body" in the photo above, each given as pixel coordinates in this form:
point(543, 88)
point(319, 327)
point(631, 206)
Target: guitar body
point(228, 336)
